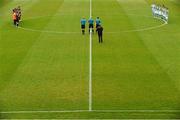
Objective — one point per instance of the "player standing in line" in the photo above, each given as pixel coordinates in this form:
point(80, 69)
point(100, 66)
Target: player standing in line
point(159, 11)
point(83, 25)
point(17, 18)
point(19, 13)
point(153, 6)
point(166, 14)
point(14, 17)
point(100, 33)
point(156, 11)
point(98, 22)
point(91, 25)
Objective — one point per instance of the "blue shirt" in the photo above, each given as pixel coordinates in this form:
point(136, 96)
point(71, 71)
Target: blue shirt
point(91, 21)
point(98, 21)
point(83, 21)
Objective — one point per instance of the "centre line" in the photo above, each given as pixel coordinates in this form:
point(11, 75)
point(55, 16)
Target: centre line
point(90, 62)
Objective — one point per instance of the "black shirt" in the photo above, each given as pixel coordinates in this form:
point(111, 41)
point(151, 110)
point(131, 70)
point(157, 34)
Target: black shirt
point(100, 30)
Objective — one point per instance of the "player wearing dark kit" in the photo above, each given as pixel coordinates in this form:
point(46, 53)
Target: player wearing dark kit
point(17, 19)
point(19, 13)
point(99, 30)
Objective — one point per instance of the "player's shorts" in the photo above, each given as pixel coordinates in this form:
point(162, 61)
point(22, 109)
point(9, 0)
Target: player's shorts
point(166, 18)
point(17, 20)
point(91, 26)
point(97, 25)
point(83, 26)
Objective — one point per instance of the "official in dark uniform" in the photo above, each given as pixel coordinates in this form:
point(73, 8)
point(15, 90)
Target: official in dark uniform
point(99, 30)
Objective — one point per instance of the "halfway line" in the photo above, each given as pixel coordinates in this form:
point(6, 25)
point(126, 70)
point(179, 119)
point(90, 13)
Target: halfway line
point(90, 62)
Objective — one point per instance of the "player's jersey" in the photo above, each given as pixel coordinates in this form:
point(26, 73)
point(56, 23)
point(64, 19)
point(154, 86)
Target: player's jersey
point(83, 21)
point(166, 14)
point(91, 21)
point(14, 16)
point(153, 6)
point(98, 21)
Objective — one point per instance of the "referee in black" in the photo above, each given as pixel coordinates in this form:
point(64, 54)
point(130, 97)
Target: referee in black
point(99, 30)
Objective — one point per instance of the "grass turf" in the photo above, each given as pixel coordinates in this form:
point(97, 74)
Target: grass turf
point(49, 71)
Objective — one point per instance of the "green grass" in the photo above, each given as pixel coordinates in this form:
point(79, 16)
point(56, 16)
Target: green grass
point(50, 71)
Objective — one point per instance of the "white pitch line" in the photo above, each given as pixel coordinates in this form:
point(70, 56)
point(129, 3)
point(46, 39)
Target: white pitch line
point(43, 111)
point(90, 61)
point(138, 111)
point(97, 111)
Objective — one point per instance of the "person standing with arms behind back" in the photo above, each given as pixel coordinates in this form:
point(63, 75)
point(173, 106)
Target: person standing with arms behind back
point(99, 30)
point(83, 25)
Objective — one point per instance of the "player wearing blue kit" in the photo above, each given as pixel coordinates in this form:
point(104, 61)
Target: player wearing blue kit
point(83, 25)
point(91, 24)
point(98, 22)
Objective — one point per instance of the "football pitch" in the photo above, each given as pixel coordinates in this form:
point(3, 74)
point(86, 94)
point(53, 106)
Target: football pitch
point(48, 69)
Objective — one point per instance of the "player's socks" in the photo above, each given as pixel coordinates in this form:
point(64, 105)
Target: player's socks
point(83, 32)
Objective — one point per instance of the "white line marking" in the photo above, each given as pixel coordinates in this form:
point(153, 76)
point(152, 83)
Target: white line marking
point(99, 111)
point(139, 111)
point(44, 111)
point(90, 62)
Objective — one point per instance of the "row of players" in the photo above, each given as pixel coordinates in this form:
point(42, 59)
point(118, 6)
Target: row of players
point(91, 24)
point(99, 28)
point(160, 12)
point(16, 15)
